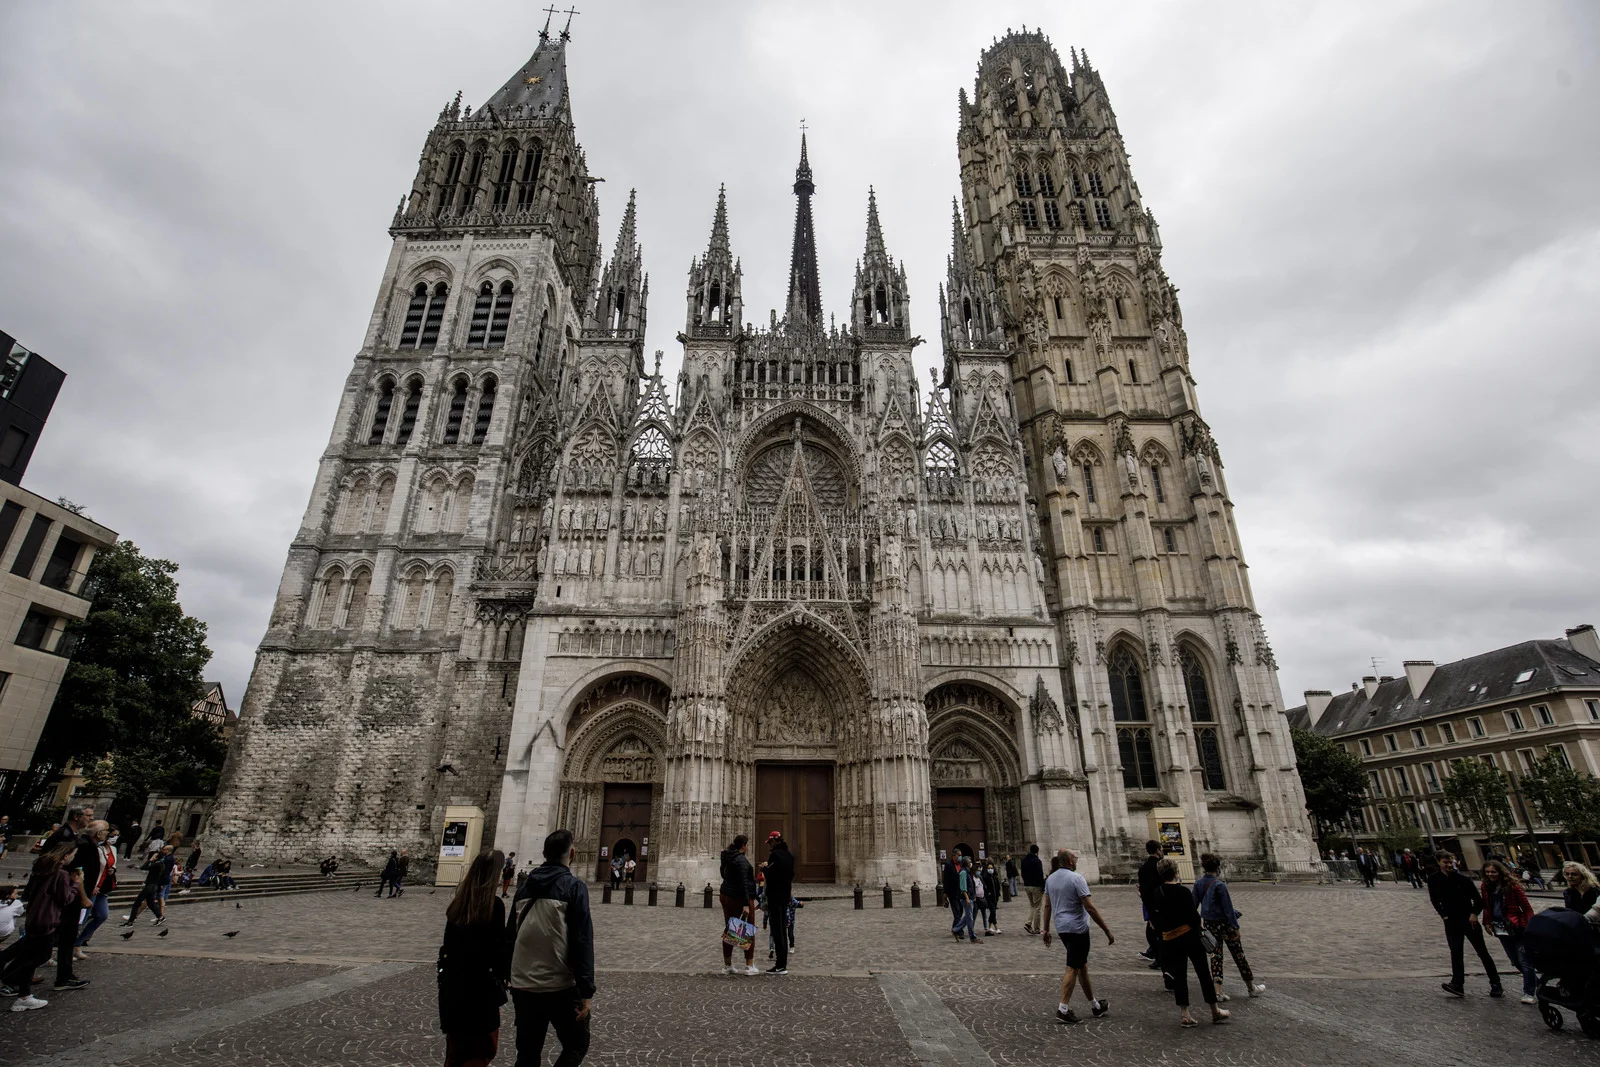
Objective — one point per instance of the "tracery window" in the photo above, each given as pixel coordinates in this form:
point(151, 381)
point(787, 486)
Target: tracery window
point(1155, 482)
point(1088, 481)
point(527, 182)
point(1052, 214)
point(1030, 215)
point(1194, 684)
point(500, 320)
point(408, 414)
point(435, 316)
point(458, 408)
point(1095, 186)
point(481, 308)
point(1136, 753)
point(507, 170)
point(1127, 686)
point(941, 458)
point(414, 312)
point(1102, 214)
point(485, 412)
point(380, 413)
point(1209, 750)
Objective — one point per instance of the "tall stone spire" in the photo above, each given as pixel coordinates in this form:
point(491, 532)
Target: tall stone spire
point(715, 305)
point(805, 299)
point(880, 299)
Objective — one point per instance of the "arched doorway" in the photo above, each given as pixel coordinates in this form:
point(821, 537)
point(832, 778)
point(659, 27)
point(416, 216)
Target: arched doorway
point(974, 769)
point(611, 778)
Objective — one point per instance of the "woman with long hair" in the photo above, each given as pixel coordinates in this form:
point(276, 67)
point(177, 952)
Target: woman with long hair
point(1506, 912)
point(54, 897)
point(474, 965)
point(738, 893)
point(1583, 889)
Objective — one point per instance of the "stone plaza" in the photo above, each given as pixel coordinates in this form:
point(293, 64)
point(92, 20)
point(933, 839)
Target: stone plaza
point(1352, 977)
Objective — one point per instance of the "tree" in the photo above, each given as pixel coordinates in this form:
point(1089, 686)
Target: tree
point(1333, 779)
point(1564, 797)
point(1480, 795)
point(124, 707)
point(1398, 837)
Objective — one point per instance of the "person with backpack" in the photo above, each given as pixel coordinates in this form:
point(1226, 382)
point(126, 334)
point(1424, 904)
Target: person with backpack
point(779, 870)
point(54, 896)
point(1218, 916)
point(474, 966)
point(738, 893)
point(552, 962)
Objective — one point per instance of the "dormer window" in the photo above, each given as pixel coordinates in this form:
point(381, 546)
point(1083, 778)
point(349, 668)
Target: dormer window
point(1523, 677)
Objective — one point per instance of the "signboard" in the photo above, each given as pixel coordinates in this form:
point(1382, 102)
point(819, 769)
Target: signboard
point(454, 845)
point(644, 850)
point(942, 856)
point(604, 852)
point(1170, 834)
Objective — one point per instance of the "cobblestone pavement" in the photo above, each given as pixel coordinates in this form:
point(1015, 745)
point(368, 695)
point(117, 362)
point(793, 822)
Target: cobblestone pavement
point(341, 978)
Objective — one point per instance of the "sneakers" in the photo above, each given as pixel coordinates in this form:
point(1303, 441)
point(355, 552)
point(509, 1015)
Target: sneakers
point(1069, 1016)
point(28, 1003)
point(1453, 990)
point(1529, 998)
point(1147, 956)
point(729, 969)
point(751, 969)
point(1496, 992)
point(73, 983)
point(1027, 928)
point(159, 919)
point(1222, 998)
point(8, 991)
point(777, 970)
point(1099, 1008)
point(78, 955)
point(127, 923)
point(1257, 989)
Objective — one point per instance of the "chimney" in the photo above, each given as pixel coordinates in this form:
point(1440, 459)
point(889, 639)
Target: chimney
point(1317, 701)
point(1369, 683)
point(1585, 641)
point(1418, 671)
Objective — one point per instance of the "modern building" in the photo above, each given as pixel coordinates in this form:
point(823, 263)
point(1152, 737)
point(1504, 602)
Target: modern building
point(789, 590)
point(45, 552)
point(1507, 708)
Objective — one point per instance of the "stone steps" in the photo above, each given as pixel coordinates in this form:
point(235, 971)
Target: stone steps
point(252, 885)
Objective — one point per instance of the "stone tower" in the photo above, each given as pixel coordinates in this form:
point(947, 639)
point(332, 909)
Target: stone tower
point(788, 590)
point(1055, 287)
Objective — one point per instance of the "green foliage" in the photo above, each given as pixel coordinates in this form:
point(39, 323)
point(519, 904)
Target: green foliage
point(1401, 835)
point(1564, 797)
point(1333, 779)
point(1480, 795)
point(123, 710)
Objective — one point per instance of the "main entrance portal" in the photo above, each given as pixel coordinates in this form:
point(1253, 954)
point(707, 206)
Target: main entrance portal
point(958, 816)
point(797, 799)
point(624, 827)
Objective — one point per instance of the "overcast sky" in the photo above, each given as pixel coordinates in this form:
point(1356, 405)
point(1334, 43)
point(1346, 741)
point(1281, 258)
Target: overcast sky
point(1383, 219)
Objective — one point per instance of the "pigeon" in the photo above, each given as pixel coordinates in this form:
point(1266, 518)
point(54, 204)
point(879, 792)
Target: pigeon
point(164, 933)
point(237, 904)
point(127, 935)
point(231, 933)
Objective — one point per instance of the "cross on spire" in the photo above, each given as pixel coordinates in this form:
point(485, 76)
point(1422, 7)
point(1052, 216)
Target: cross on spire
point(803, 127)
point(549, 13)
point(566, 31)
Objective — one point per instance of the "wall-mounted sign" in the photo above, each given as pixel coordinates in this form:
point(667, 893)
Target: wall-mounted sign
point(454, 845)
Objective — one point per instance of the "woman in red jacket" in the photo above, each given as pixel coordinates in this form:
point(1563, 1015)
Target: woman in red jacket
point(1506, 913)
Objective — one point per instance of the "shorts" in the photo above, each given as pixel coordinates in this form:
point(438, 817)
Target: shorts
point(1077, 946)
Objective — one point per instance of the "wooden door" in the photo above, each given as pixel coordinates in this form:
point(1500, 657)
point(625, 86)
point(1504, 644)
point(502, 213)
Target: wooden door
point(624, 820)
point(958, 817)
point(797, 800)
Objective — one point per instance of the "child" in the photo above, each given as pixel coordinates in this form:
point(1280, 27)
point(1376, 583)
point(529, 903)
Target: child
point(11, 910)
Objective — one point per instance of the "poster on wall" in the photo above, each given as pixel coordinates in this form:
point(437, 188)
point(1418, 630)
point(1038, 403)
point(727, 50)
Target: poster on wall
point(604, 851)
point(454, 845)
point(1170, 834)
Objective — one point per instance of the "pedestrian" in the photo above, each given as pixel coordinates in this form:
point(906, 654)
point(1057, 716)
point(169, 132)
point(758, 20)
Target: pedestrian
point(1505, 904)
point(1458, 903)
point(153, 843)
point(990, 877)
point(224, 878)
point(54, 897)
point(738, 893)
point(1218, 915)
point(1177, 921)
point(616, 873)
point(402, 867)
point(1583, 889)
point(67, 833)
point(5, 834)
point(779, 870)
point(98, 861)
point(390, 869)
point(629, 870)
point(1012, 873)
point(1367, 864)
point(1070, 911)
point(192, 864)
point(552, 965)
point(474, 966)
point(508, 871)
point(11, 909)
point(130, 838)
point(950, 879)
point(1532, 871)
point(158, 874)
point(1149, 888)
point(1413, 869)
point(1033, 885)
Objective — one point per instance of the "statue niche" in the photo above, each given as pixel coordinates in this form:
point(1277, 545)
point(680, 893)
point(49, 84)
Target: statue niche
point(794, 712)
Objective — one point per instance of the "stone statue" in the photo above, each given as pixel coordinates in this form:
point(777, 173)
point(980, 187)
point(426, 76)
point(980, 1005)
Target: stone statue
point(1058, 460)
point(627, 516)
point(658, 519)
point(911, 524)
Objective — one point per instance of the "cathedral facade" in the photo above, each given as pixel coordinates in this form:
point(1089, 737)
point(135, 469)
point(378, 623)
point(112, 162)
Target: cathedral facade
point(789, 589)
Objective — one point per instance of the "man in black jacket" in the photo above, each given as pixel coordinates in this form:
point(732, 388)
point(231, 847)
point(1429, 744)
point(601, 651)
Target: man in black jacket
point(552, 964)
point(950, 877)
point(1149, 889)
point(780, 887)
point(1033, 885)
point(1458, 903)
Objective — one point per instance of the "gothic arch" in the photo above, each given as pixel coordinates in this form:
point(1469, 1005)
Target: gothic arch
point(572, 699)
point(494, 270)
point(429, 271)
point(760, 434)
point(1000, 761)
point(591, 740)
point(801, 636)
point(1000, 687)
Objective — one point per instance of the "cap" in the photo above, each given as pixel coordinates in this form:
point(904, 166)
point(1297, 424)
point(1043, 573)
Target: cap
point(775, 835)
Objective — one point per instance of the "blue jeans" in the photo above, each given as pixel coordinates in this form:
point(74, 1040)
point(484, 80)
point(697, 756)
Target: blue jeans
point(965, 922)
point(1517, 953)
point(99, 910)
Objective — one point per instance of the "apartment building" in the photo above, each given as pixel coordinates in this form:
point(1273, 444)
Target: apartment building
point(1508, 708)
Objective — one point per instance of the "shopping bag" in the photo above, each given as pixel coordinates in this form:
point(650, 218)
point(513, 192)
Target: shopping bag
point(740, 934)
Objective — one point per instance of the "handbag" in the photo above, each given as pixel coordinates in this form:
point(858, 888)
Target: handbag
point(1209, 942)
point(740, 934)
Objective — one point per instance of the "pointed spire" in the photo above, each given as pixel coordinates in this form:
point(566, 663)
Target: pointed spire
point(540, 87)
point(805, 298)
point(874, 231)
point(625, 236)
point(719, 224)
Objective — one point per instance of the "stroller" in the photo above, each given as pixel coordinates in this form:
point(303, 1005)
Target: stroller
point(1566, 952)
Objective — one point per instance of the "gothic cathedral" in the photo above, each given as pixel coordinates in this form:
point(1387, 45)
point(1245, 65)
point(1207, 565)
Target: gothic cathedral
point(788, 590)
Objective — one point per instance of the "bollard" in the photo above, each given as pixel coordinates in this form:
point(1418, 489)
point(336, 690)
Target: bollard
point(627, 893)
point(678, 898)
point(888, 896)
point(938, 895)
point(605, 894)
point(916, 895)
point(708, 894)
point(652, 901)
point(1005, 891)
point(859, 904)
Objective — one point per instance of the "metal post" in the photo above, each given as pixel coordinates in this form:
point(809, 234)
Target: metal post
point(605, 894)
point(916, 895)
point(708, 894)
point(652, 899)
point(859, 904)
point(678, 900)
point(627, 893)
point(888, 896)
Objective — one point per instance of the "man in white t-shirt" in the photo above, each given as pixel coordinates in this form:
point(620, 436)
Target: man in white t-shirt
point(1070, 912)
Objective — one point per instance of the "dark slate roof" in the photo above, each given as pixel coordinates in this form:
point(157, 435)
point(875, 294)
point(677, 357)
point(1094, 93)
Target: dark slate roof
point(1476, 680)
point(538, 88)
